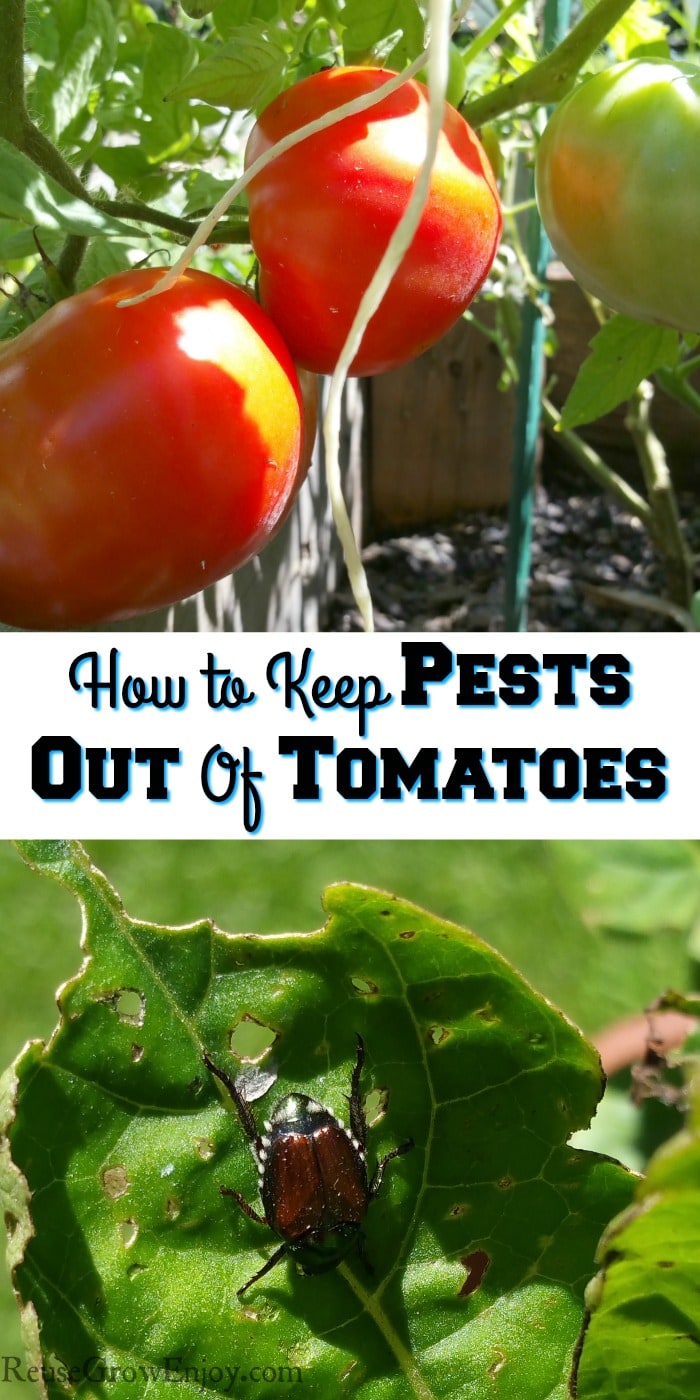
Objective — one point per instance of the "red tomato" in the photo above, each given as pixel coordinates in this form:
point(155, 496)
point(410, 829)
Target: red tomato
point(322, 214)
point(145, 451)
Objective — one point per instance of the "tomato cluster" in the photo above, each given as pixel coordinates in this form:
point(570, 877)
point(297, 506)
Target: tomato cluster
point(149, 449)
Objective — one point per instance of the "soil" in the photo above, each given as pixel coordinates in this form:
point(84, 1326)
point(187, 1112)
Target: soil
point(593, 570)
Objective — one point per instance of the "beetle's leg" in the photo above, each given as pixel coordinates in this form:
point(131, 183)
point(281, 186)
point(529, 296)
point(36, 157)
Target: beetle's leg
point(378, 1177)
point(247, 1209)
point(241, 1104)
point(358, 1122)
point(274, 1259)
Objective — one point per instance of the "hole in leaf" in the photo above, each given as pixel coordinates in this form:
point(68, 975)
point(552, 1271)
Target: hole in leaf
point(115, 1182)
point(251, 1040)
point(128, 1232)
point(204, 1148)
point(476, 1265)
point(408, 933)
point(251, 1314)
point(172, 1208)
point(11, 1222)
point(375, 1105)
point(129, 1004)
point(364, 986)
point(461, 1208)
point(134, 1270)
point(438, 1034)
point(136, 1052)
point(497, 1365)
point(486, 1013)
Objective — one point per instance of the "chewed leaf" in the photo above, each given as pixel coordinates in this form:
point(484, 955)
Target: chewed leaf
point(645, 1318)
point(485, 1231)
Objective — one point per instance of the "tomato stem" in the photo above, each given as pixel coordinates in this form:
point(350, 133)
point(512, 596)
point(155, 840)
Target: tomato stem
point(592, 463)
point(666, 529)
point(674, 382)
point(13, 108)
point(553, 76)
point(69, 260)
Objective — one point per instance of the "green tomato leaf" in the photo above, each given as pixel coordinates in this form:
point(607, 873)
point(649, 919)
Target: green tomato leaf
point(170, 127)
point(368, 23)
point(623, 353)
point(232, 14)
point(32, 197)
point(119, 1138)
point(643, 1337)
point(244, 74)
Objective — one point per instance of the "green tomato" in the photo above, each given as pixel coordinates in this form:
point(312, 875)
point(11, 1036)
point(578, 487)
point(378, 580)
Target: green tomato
point(618, 188)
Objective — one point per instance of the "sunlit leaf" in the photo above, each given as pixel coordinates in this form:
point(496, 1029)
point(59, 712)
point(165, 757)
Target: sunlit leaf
point(242, 74)
point(29, 195)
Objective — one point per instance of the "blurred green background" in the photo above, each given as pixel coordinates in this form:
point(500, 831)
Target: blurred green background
point(601, 928)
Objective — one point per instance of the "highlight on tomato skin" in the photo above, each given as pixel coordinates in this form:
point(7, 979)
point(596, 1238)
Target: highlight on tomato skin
point(322, 214)
point(618, 188)
point(145, 450)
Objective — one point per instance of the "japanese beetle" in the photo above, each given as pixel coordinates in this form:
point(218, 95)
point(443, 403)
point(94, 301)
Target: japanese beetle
point(313, 1175)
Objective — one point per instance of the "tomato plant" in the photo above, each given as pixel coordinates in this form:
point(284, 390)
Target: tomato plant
point(322, 214)
point(618, 186)
point(145, 450)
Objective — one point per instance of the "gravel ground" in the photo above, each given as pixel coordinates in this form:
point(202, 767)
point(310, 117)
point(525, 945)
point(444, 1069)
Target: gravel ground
point(588, 556)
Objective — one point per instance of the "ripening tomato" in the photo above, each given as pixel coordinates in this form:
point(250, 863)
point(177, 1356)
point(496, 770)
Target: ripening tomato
point(322, 214)
point(618, 186)
point(145, 450)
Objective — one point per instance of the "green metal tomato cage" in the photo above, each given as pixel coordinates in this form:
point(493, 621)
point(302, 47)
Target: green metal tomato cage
point(557, 14)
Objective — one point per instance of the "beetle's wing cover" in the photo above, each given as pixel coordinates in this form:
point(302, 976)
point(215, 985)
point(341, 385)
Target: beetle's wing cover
point(293, 1188)
point(343, 1176)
